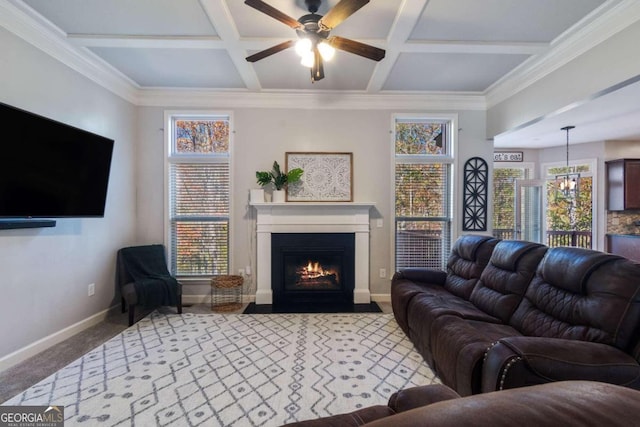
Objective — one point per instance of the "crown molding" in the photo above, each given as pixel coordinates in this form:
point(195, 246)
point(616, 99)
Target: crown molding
point(604, 24)
point(19, 19)
point(204, 98)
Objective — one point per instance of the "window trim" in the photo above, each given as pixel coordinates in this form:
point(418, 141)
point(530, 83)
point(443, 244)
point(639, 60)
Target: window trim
point(169, 116)
point(450, 158)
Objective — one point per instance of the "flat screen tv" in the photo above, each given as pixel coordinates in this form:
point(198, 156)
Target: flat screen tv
point(49, 169)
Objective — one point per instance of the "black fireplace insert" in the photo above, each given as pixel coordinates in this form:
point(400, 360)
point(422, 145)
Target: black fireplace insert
point(312, 268)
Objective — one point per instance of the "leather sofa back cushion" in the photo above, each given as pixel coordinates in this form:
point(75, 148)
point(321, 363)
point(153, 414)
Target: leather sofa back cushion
point(505, 279)
point(583, 295)
point(469, 256)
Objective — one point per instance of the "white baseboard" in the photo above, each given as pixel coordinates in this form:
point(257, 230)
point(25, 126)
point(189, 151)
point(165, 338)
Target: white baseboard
point(42, 344)
point(381, 297)
point(206, 299)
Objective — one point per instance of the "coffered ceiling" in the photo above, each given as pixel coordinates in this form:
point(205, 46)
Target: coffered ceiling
point(441, 47)
point(432, 45)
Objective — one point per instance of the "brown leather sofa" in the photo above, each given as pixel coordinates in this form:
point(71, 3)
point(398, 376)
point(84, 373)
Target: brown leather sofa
point(511, 313)
point(567, 403)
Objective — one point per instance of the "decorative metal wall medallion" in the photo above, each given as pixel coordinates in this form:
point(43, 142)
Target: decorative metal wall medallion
point(474, 204)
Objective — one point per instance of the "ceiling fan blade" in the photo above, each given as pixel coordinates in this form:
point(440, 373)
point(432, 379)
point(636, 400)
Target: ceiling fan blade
point(357, 48)
point(274, 13)
point(340, 12)
point(268, 52)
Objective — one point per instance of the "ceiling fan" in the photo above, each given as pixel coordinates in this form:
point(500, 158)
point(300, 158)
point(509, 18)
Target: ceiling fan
point(314, 44)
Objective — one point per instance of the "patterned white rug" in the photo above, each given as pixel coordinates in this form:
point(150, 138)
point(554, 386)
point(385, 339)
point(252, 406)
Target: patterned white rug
point(234, 370)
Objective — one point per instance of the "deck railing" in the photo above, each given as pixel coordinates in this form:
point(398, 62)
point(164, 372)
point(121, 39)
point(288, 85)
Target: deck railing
point(581, 239)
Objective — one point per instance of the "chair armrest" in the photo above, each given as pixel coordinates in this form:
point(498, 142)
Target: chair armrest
point(523, 361)
point(416, 397)
point(424, 275)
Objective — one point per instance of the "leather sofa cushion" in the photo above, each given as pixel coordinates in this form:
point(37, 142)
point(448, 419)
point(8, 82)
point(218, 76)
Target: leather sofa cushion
point(458, 347)
point(425, 308)
point(469, 256)
point(505, 279)
point(569, 403)
point(584, 295)
point(353, 419)
point(408, 283)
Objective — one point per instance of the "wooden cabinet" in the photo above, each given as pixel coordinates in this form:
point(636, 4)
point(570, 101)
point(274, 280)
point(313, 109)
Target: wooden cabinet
point(623, 184)
point(626, 245)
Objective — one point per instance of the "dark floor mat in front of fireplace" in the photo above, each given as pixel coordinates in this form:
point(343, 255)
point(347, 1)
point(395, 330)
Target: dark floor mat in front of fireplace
point(254, 308)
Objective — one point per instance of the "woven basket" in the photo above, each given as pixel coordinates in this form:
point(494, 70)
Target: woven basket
point(226, 293)
point(226, 281)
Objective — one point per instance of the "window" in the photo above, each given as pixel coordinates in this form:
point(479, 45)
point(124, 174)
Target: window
point(569, 218)
point(199, 189)
point(423, 168)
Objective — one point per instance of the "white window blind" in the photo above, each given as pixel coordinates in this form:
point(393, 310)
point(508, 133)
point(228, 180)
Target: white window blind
point(199, 197)
point(422, 193)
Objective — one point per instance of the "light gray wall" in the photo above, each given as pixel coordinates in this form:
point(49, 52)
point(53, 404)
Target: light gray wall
point(264, 135)
point(45, 272)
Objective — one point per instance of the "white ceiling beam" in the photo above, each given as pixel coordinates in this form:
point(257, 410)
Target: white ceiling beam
point(146, 42)
point(406, 19)
point(220, 17)
point(504, 48)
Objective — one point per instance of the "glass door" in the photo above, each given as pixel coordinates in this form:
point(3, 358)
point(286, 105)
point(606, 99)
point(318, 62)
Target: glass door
point(528, 204)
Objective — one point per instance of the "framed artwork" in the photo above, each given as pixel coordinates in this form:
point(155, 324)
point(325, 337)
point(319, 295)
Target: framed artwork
point(327, 177)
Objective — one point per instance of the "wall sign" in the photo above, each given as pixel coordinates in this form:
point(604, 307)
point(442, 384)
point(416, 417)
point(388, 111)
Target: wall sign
point(507, 156)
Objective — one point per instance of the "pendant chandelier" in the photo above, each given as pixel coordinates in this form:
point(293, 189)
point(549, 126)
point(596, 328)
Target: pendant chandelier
point(568, 183)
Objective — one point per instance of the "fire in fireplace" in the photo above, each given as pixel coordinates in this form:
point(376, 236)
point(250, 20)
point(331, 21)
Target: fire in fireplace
point(312, 267)
point(314, 275)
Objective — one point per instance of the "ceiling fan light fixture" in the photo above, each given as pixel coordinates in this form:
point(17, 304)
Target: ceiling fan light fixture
point(303, 47)
point(308, 59)
point(326, 50)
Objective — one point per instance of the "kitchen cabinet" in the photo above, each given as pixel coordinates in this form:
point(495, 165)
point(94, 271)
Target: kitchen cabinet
point(626, 245)
point(623, 184)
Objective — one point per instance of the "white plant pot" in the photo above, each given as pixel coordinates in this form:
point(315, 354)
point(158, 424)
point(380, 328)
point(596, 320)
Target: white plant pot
point(256, 195)
point(278, 196)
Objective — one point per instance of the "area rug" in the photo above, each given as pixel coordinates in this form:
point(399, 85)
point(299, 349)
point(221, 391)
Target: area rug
point(234, 370)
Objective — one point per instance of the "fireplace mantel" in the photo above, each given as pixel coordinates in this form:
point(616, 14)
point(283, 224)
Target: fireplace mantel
point(312, 217)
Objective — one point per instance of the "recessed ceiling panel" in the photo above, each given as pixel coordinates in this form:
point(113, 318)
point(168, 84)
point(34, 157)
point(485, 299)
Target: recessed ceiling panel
point(126, 17)
point(449, 71)
point(372, 21)
point(206, 68)
point(344, 72)
point(500, 20)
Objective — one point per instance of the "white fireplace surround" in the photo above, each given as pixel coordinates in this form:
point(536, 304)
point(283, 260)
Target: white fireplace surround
point(312, 217)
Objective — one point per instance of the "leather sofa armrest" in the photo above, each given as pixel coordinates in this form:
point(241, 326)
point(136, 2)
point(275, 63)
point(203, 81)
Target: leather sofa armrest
point(424, 275)
point(524, 361)
point(416, 397)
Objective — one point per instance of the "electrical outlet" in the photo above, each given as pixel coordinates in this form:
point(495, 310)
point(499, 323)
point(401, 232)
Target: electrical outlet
point(379, 223)
point(383, 273)
point(241, 272)
point(91, 289)
point(247, 270)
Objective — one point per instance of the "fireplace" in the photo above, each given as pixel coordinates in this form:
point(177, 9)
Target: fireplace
point(316, 218)
point(312, 268)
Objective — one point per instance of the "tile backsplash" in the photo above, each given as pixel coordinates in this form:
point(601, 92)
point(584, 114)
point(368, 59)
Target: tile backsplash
point(622, 222)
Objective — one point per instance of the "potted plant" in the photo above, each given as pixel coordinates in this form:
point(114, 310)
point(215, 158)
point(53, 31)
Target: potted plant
point(279, 179)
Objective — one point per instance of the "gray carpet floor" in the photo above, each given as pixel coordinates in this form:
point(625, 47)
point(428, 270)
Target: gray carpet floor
point(20, 377)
